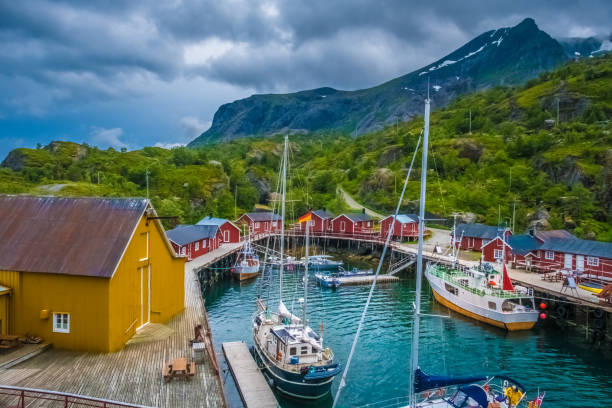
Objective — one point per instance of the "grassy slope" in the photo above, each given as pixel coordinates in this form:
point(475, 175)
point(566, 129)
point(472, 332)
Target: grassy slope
point(511, 154)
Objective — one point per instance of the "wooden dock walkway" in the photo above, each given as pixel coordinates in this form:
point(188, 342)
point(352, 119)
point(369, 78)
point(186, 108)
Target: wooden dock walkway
point(251, 383)
point(364, 280)
point(133, 374)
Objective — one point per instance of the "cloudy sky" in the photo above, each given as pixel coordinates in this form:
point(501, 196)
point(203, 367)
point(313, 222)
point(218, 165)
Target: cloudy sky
point(132, 74)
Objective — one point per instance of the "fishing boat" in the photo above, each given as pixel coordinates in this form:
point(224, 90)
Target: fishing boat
point(323, 263)
point(286, 348)
point(482, 293)
point(328, 280)
point(591, 286)
point(247, 263)
point(426, 391)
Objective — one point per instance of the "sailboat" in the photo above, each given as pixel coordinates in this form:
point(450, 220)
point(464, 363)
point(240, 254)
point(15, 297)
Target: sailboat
point(426, 391)
point(247, 263)
point(289, 351)
point(482, 293)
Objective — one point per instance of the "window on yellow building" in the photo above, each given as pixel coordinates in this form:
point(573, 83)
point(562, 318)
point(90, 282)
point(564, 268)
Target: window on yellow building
point(61, 322)
point(144, 246)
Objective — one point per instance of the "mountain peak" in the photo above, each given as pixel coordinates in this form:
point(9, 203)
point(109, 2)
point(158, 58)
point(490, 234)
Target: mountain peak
point(506, 56)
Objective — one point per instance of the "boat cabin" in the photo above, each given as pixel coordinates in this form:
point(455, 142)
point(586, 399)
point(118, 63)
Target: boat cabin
point(294, 344)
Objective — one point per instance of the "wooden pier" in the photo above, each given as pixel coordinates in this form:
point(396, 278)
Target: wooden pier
point(251, 383)
point(367, 279)
point(133, 374)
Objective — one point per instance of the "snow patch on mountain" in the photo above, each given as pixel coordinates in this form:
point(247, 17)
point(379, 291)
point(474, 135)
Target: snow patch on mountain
point(499, 40)
point(436, 87)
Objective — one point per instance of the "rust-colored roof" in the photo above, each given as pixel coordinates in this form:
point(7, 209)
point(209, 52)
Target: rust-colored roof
point(70, 236)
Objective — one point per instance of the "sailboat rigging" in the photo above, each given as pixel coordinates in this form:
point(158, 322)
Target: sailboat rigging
point(289, 351)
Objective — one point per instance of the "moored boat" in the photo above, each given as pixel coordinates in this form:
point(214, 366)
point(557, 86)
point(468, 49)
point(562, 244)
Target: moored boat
point(591, 286)
point(247, 263)
point(328, 280)
point(323, 263)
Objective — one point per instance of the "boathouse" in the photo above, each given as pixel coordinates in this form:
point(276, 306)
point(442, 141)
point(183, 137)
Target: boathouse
point(590, 257)
point(320, 221)
point(260, 222)
point(406, 226)
point(229, 231)
point(85, 273)
point(524, 250)
point(193, 241)
point(475, 236)
point(352, 223)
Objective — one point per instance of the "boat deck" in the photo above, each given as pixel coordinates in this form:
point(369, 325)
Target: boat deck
point(252, 386)
point(133, 374)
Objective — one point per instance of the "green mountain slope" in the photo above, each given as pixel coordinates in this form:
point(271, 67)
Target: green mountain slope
point(506, 56)
point(559, 174)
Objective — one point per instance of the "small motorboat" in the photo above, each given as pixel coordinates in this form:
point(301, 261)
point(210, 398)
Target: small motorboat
point(591, 286)
point(323, 263)
point(328, 281)
point(354, 272)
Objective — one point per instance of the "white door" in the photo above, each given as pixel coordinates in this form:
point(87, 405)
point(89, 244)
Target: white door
point(569, 258)
point(580, 263)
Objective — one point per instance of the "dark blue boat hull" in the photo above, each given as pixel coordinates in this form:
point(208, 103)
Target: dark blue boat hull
point(295, 384)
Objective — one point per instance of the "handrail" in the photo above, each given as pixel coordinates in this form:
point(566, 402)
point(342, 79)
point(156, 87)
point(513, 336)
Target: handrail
point(22, 395)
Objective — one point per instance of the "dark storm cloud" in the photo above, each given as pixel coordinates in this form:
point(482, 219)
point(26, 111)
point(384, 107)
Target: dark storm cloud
point(74, 52)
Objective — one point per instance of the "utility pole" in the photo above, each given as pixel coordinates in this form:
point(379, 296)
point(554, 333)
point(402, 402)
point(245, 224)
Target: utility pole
point(510, 187)
point(147, 179)
point(557, 112)
point(98, 177)
point(470, 121)
point(235, 200)
point(513, 214)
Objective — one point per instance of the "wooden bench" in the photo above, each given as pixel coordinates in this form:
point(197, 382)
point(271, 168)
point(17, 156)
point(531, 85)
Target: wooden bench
point(178, 368)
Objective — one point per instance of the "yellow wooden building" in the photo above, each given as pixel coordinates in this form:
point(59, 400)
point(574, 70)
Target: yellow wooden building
point(85, 273)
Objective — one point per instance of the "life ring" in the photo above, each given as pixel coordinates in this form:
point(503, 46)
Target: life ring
point(561, 312)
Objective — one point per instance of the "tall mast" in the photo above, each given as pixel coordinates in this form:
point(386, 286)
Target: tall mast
point(306, 272)
point(414, 354)
point(282, 233)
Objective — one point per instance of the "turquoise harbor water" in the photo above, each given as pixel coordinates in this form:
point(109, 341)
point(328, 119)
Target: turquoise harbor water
point(574, 374)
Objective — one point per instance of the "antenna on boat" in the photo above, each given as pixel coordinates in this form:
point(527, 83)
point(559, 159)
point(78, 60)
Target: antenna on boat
point(414, 353)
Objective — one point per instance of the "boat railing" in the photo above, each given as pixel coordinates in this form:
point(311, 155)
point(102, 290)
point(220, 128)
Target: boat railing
point(441, 272)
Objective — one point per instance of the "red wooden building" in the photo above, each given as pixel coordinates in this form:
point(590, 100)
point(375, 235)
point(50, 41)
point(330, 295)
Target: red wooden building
point(320, 222)
point(493, 251)
point(229, 231)
point(354, 223)
point(195, 240)
point(583, 256)
point(260, 222)
point(474, 236)
point(405, 226)
point(525, 247)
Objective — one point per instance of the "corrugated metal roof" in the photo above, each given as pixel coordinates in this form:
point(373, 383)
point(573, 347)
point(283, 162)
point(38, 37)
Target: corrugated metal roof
point(71, 236)
point(212, 221)
point(324, 214)
point(406, 218)
point(357, 217)
point(579, 246)
point(523, 244)
point(546, 235)
point(186, 234)
point(263, 216)
point(478, 231)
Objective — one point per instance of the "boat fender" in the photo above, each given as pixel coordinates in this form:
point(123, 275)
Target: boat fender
point(561, 312)
point(599, 313)
point(279, 355)
point(599, 323)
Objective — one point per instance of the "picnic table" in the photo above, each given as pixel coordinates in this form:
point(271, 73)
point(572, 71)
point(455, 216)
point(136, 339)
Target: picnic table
point(553, 277)
point(179, 367)
point(8, 341)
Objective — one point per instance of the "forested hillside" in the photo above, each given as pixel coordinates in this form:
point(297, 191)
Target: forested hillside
point(558, 174)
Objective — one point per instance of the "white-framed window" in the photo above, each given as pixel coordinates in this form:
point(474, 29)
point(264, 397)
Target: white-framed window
point(274, 224)
point(256, 225)
point(61, 322)
point(197, 245)
point(203, 243)
point(183, 251)
point(498, 254)
point(592, 261)
point(144, 242)
point(550, 255)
